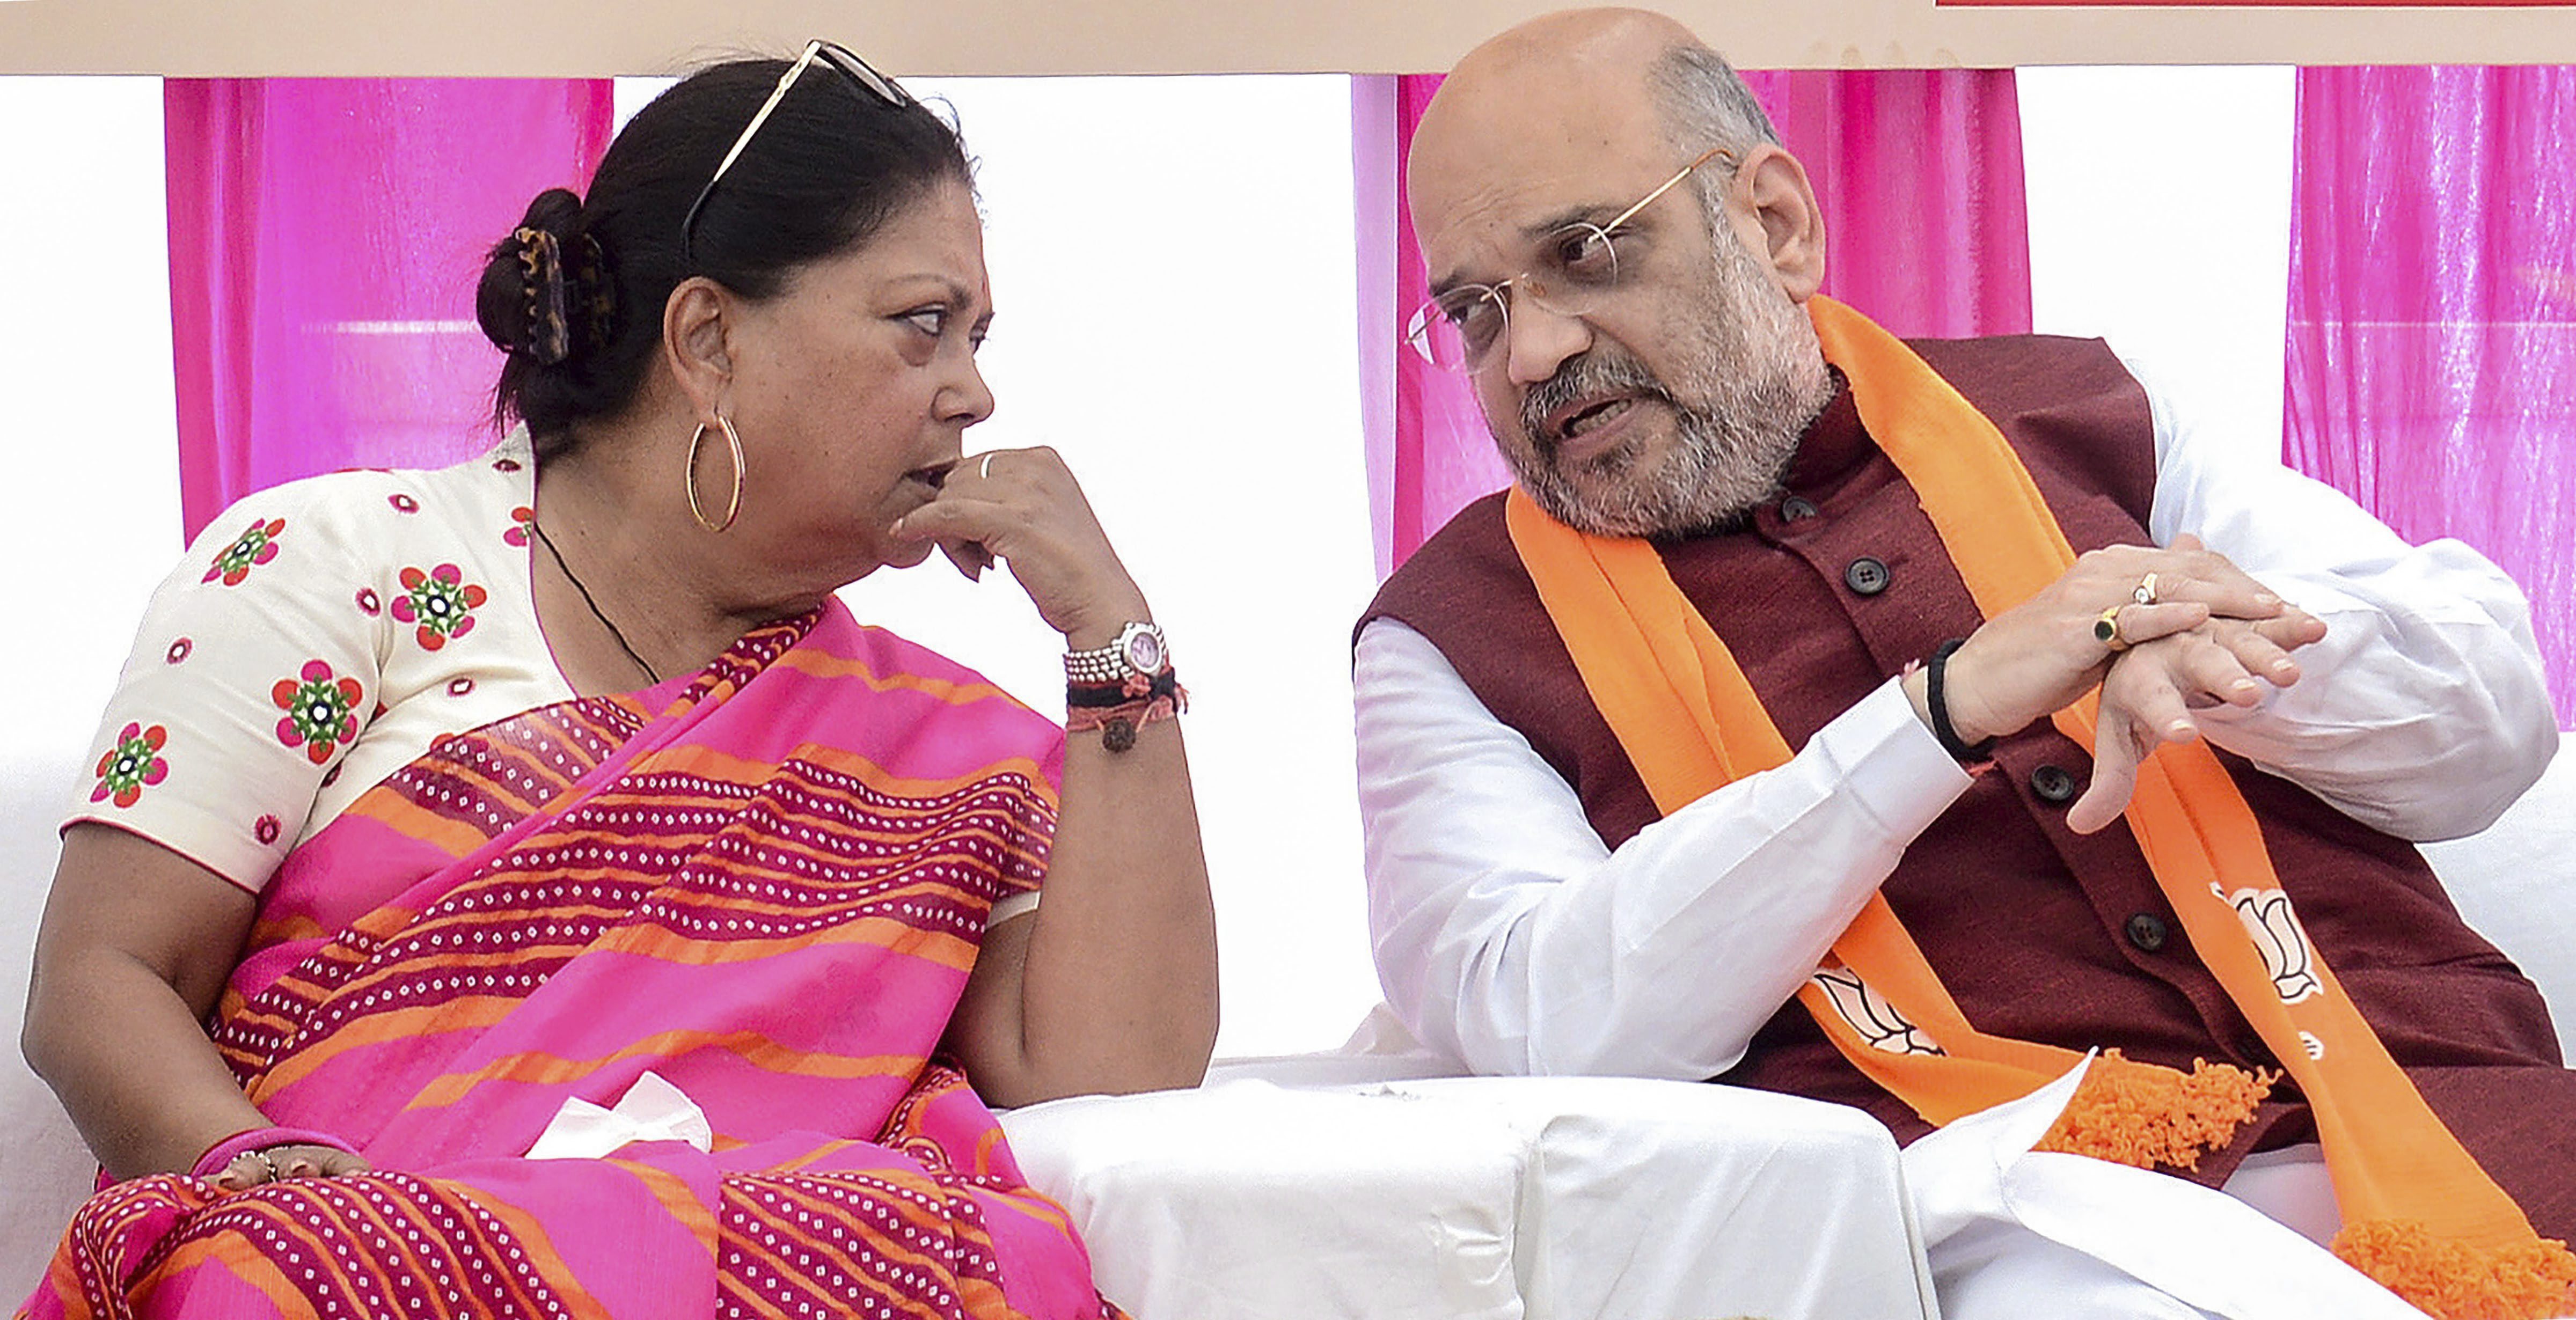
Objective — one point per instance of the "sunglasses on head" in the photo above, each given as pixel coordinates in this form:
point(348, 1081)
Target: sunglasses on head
point(884, 89)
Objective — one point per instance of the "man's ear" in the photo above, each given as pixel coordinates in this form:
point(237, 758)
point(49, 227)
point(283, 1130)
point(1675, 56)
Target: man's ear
point(1772, 187)
point(696, 325)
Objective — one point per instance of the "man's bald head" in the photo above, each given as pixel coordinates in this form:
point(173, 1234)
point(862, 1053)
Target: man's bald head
point(1626, 81)
point(1649, 380)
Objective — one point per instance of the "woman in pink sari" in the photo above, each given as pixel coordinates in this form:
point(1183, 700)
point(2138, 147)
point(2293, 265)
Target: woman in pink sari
point(523, 889)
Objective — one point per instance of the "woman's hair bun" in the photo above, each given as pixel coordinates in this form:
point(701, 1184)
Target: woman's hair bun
point(545, 292)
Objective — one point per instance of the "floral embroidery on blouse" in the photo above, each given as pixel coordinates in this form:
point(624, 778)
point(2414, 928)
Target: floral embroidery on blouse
point(266, 830)
point(320, 710)
point(441, 601)
point(521, 519)
point(369, 603)
point(258, 545)
point(134, 762)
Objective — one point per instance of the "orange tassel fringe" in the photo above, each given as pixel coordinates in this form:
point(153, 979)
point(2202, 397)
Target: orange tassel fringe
point(2145, 1114)
point(2451, 1280)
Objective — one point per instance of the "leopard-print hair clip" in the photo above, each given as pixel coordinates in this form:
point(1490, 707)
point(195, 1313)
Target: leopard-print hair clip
point(541, 284)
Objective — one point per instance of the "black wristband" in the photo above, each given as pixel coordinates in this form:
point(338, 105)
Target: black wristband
point(1109, 695)
point(1935, 671)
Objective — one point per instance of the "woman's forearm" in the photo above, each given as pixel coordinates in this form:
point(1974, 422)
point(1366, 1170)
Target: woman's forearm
point(1119, 990)
point(131, 1065)
point(1111, 984)
point(136, 944)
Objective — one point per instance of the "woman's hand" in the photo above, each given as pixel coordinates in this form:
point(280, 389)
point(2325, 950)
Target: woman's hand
point(280, 1163)
point(1023, 507)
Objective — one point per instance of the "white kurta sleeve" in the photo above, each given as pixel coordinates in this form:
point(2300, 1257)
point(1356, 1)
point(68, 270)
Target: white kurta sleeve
point(2424, 712)
point(1507, 933)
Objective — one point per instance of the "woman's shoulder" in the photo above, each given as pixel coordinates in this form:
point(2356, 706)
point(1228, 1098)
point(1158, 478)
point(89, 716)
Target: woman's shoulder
point(365, 512)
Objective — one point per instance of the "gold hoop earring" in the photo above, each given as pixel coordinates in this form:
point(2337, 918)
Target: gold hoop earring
point(689, 477)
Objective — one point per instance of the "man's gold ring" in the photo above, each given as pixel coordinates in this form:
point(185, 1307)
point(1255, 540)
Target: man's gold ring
point(2106, 629)
point(2146, 592)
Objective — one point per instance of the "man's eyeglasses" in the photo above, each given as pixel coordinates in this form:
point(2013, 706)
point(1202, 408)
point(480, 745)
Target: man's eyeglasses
point(866, 79)
point(1579, 266)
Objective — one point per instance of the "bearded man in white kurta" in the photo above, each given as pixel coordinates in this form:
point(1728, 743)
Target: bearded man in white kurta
point(1746, 520)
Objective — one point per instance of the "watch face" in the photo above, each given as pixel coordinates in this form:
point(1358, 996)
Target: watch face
point(1144, 651)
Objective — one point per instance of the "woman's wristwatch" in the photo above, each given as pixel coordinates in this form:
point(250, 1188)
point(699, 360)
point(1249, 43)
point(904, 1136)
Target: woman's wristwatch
point(1139, 649)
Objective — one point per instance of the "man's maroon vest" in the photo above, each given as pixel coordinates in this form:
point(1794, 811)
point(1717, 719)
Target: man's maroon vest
point(2039, 932)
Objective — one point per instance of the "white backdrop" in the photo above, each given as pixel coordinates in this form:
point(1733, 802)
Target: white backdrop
point(2160, 220)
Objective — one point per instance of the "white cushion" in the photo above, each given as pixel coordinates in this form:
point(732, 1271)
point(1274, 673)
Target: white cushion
point(2515, 881)
point(1503, 1197)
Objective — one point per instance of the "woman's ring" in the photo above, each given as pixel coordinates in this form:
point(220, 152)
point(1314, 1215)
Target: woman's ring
point(2146, 592)
point(984, 469)
point(2106, 629)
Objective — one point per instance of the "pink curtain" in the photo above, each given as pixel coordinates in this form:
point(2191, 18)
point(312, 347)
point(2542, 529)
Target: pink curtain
point(1920, 176)
point(2432, 354)
point(325, 237)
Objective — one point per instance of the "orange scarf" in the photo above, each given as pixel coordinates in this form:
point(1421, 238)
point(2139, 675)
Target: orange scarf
point(2420, 1215)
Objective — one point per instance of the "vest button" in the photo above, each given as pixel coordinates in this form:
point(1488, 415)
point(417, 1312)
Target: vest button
point(2148, 931)
point(2053, 784)
point(1865, 576)
point(1796, 509)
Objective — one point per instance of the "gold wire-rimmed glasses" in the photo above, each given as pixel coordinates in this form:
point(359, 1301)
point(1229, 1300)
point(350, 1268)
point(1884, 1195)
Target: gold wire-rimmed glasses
point(1458, 328)
point(857, 70)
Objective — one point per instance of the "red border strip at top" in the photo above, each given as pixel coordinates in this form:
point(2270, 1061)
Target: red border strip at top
point(2246, 4)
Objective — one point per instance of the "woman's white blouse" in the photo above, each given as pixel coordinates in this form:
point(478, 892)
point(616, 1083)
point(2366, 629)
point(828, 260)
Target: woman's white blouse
point(314, 640)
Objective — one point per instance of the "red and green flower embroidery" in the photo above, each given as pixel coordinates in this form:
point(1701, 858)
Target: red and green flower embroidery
point(131, 765)
point(258, 545)
point(321, 711)
point(521, 519)
point(441, 601)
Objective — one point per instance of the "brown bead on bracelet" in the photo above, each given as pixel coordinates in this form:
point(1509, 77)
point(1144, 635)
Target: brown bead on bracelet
point(1118, 710)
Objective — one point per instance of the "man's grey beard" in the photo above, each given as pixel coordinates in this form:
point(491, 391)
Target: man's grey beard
point(1752, 361)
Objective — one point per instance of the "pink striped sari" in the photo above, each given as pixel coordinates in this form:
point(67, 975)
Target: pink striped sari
point(767, 884)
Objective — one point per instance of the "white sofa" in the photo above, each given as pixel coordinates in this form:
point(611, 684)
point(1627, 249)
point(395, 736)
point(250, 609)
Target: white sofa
point(1369, 1182)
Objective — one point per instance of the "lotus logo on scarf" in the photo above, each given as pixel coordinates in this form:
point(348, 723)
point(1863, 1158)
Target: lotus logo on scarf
point(2277, 936)
point(1875, 1019)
